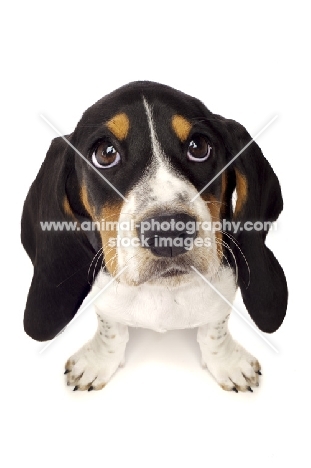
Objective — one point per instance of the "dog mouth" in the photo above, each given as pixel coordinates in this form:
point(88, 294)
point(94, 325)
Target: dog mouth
point(172, 272)
point(165, 272)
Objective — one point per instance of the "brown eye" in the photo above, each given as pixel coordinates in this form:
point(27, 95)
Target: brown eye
point(198, 149)
point(105, 156)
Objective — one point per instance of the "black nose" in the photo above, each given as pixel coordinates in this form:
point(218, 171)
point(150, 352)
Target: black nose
point(168, 235)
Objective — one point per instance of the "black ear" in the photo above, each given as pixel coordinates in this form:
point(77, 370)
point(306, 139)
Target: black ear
point(61, 259)
point(259, 199)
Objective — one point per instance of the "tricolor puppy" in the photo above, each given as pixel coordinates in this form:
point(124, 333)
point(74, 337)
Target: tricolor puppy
point(151, 168)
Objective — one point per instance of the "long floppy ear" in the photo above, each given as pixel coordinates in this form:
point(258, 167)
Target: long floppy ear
point(259, 199)
point(61, 258)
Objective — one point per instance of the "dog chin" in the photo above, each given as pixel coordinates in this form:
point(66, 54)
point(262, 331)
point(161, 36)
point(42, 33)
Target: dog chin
point(168, 277)
point(171, 277)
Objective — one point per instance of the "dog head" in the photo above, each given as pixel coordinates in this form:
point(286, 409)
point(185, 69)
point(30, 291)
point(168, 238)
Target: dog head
point(155, 171)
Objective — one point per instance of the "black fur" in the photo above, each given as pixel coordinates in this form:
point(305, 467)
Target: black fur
point(62, 259)
point(261, 279)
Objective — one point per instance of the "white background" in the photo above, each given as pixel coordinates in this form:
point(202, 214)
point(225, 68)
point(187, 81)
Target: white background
point(245, 60)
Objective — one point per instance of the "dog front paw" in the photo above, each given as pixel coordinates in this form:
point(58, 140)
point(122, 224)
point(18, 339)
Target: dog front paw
point(89, 369)
point(237, 371)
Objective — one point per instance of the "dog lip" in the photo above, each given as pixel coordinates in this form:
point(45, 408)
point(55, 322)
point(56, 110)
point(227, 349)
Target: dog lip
point(173, 272)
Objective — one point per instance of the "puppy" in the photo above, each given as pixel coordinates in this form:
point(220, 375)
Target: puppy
point(138, 204)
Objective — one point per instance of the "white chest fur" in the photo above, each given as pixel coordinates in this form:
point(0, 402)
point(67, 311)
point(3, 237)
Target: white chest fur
point(162, 308)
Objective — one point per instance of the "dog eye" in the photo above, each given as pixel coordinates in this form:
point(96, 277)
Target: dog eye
point(198, 149)
point(105, 156)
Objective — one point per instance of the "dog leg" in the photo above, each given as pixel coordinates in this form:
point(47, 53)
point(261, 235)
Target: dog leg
point(228, 362)
point(92, 366)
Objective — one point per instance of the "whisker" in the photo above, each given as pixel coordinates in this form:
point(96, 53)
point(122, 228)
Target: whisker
point(233, 239)
point(99, 252)
point(100, 257)
point(221, 253)
point(224, 244)
point(111, 259)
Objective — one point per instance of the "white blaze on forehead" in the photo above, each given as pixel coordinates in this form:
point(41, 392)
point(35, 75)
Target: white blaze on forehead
point(156, 148)
point(163, 182)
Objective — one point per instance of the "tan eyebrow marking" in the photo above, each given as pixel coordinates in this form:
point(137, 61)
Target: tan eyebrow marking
point(119, 125)
point(181, 126)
